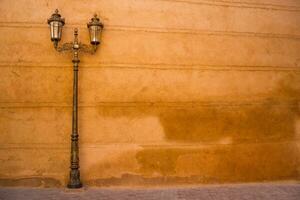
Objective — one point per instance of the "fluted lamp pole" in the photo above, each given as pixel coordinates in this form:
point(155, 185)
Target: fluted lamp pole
point(56, 23)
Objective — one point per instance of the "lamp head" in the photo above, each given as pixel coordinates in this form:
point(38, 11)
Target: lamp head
point(95, 29)
point(56, 22)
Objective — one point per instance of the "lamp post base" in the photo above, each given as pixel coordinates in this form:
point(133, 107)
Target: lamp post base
point(71, 186)
point(74, 181)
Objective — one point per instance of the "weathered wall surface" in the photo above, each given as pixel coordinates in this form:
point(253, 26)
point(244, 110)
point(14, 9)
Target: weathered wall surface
point(180, 92)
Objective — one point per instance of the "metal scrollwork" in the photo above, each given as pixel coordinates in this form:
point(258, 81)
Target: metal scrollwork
point(91, 49)
point(65, 47)
point(69, 47)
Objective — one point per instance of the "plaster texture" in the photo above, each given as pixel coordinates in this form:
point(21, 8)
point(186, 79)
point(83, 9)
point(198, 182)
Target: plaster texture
point(179, 92)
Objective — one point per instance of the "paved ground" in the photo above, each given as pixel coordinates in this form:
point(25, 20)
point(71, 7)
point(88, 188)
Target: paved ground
point(287, 191)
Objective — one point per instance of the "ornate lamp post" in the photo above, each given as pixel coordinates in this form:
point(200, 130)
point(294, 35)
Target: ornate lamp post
point(95, 27)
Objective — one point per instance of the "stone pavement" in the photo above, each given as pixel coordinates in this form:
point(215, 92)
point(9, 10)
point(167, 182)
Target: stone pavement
point(285, 191)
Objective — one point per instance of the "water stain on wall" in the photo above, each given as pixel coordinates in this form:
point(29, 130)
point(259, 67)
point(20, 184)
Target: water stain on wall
point(214, 164)
point(259, 141)
point(209, 143)
point(241, 123)
point(247, 162)
point(271, 120)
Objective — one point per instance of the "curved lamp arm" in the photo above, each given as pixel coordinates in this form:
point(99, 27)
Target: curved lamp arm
point(91, 49)
point(68, 46)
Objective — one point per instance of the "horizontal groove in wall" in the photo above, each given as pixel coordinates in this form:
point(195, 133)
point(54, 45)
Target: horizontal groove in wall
point(285, 103)
point(33, 146)
point(158, 30)
point(238, 4)
point(151, 66)
point(253, 3)
point(66, 146)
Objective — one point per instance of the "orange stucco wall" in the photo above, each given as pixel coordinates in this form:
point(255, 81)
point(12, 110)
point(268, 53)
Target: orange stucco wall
point(179, 92)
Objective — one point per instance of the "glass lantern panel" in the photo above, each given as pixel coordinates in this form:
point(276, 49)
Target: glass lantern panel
point(56, 29)
point(94, 34)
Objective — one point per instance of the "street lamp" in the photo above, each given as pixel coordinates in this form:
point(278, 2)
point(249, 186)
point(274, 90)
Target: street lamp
point(56, 23)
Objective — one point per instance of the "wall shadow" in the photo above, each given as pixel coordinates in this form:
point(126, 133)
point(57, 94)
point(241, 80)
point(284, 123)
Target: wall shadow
point(233, 142)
